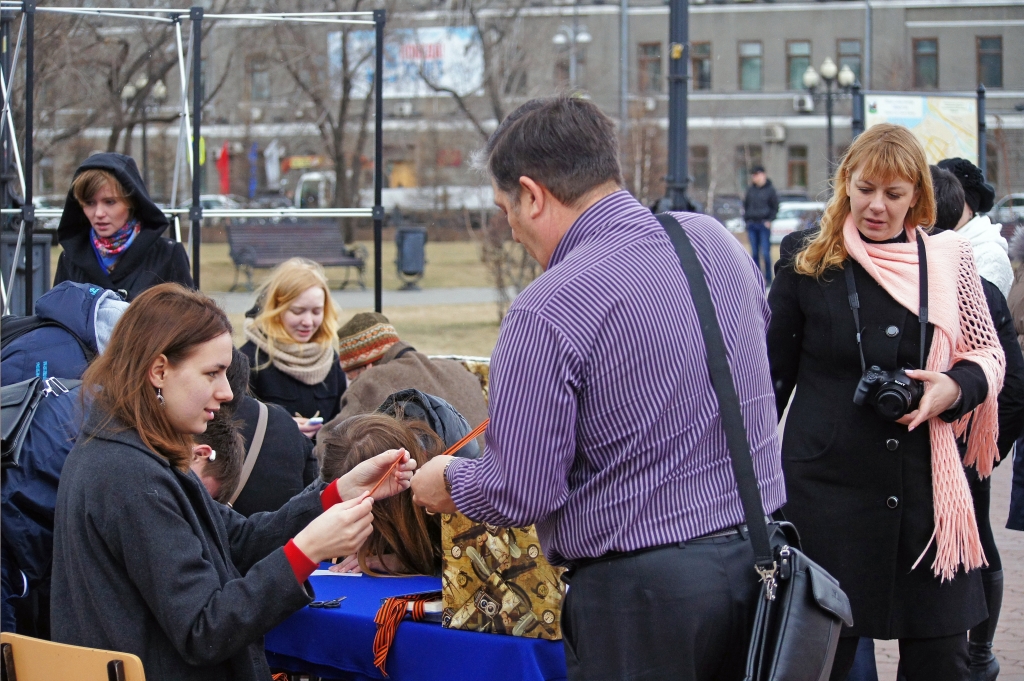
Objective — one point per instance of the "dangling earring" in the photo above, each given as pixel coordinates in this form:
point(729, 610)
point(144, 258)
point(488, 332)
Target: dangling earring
point(160, 396)
point(213, 455)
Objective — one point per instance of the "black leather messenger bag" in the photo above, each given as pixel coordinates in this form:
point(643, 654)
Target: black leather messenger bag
point(800, 608)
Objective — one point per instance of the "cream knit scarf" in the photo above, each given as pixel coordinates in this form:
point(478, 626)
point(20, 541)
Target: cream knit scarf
point(308, 363)
point(963, 331)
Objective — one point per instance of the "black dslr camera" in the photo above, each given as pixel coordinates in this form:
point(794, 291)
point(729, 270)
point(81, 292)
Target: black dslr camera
point(893, 394)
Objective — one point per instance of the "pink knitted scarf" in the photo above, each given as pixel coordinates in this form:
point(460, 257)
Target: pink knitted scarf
point(963, 331)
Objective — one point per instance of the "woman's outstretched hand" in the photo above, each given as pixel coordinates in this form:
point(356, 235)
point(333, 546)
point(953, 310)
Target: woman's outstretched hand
point(367, 474)
point(338, 531)
point(940, 393)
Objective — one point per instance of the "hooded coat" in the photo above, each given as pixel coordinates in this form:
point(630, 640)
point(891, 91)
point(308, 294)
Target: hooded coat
point(151, 259)
point(990, 250)
point(73, 323)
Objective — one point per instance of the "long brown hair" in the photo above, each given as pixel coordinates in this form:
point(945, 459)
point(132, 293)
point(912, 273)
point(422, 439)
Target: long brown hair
point(399, 527)
point(885, 152)
point(168, 320)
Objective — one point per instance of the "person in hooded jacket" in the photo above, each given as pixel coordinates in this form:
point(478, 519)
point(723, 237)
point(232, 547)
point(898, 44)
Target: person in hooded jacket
point(111, 231)
point(72, 324)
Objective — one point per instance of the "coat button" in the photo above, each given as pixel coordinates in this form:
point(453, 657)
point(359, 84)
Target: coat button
point(892, 331)
point(891, 444)
point(892, 502)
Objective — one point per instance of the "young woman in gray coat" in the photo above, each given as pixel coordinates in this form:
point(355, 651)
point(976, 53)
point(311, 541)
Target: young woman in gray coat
point(145, 562)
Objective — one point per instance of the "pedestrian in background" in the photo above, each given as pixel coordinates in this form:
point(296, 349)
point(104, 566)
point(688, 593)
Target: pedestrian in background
point(879, 494)
point(760, 206)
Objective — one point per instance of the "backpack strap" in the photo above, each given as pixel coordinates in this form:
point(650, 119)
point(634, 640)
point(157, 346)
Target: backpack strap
point(254, 451)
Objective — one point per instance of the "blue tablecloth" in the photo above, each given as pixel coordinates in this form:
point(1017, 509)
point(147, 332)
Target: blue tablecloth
point(339, 642)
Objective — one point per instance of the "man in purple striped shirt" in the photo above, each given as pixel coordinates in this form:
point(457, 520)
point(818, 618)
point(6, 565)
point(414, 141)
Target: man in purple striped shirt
point(605, 430)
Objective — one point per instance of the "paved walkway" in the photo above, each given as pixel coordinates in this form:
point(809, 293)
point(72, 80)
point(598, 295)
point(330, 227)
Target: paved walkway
point(1009, 643)
point(239, 302)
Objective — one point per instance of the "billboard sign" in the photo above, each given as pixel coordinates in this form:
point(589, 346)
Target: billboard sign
point(947, 126)
point(448, 57)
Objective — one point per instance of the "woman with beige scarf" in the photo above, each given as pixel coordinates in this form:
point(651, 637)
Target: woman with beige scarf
point(290, 342)
point(876, 488)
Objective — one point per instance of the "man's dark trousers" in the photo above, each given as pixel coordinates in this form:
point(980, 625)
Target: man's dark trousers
point(682, 613)
point(761, 244)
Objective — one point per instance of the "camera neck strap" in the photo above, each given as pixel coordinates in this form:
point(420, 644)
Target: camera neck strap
point(922, 314)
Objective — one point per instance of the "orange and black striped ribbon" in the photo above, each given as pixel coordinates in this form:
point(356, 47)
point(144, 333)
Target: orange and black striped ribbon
point(390, 615)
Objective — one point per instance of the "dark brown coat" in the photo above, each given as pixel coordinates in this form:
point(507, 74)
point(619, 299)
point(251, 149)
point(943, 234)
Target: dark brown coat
point(402, 367)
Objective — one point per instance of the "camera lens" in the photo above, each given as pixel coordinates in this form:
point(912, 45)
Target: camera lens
point(892, 402)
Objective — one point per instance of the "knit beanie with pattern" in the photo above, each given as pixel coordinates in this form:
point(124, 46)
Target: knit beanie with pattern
point(365, 339)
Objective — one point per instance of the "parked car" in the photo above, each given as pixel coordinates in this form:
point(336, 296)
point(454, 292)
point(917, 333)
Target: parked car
point(728, 209)
point(1008, 210)
point(794, 216)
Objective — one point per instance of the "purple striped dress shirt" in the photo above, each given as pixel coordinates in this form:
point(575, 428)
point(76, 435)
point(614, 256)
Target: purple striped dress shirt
point(605, 430)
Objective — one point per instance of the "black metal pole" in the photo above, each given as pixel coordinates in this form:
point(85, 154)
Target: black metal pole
point(678, 154)
point(195, 213)
point(145, 152)
point(828, 115)
point(28, 210)
point(7, 176)
point(982, 142)
point(378, 161)
point(857, 112)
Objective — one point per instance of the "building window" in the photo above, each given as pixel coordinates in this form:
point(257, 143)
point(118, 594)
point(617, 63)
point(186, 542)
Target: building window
point(747, 156)
point(649, 65)
point(750, 66)
point(798, 58)
point(990, 61)
point(259, 80)
point(926, 63)
point(849, 55)
point(797, 167)
point(700, 61)
point(699, 168)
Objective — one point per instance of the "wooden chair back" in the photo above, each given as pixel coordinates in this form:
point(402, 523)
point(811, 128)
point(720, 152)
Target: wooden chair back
point(32, 659)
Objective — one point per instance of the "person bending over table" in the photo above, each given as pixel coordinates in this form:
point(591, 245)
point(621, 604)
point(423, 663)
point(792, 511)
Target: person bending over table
point(405, 540)
point(605, 430)
point(145, 562)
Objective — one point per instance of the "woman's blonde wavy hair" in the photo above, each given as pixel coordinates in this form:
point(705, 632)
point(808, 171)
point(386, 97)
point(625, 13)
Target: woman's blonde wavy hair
point(883, 153)
point(287, 282)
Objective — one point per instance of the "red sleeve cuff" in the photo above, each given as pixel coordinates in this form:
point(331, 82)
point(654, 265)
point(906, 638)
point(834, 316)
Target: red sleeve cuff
point(302, 566)
point(330, 496)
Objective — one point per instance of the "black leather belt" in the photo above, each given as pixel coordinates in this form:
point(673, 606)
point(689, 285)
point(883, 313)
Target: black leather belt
point(704, 538)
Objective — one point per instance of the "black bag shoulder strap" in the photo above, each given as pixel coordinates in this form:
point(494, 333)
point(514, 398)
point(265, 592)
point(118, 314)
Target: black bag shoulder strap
point(725, 392)
point(15, 327)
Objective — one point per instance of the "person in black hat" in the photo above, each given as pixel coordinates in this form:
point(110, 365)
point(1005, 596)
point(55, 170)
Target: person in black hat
point(979, 195)
point(760, 206)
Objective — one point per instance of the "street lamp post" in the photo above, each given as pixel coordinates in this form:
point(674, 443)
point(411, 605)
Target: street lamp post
point(159, 93)
point(831, 74)
point(572, 35)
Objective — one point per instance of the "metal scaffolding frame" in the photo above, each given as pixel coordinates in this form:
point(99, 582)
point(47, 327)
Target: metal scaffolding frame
point(190, 153)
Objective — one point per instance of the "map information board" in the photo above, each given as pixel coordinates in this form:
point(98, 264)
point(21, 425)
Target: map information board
point(947, 126)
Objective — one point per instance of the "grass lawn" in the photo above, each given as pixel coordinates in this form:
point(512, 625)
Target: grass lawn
point(434, 330)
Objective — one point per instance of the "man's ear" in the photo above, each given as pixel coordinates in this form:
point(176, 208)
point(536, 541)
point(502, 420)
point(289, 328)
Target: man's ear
point(202, 451)
point(532, 197)
point(158, 371)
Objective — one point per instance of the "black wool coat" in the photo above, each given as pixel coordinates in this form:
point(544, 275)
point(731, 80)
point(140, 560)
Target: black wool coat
point(286, 464)
point(145, 562)
point(859, 488)
point(270, 384)
point(150, 260)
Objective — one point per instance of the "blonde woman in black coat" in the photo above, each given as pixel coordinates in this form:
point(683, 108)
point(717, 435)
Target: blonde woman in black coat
point(880, 498)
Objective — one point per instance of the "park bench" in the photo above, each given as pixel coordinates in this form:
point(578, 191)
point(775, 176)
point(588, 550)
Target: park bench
point(266, 243)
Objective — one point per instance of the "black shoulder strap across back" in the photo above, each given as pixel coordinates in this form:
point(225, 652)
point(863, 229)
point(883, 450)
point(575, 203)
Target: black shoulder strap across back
point(922, 313)
point(725, 392)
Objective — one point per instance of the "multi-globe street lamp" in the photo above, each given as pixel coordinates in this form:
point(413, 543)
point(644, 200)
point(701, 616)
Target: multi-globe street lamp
point(831, 74)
